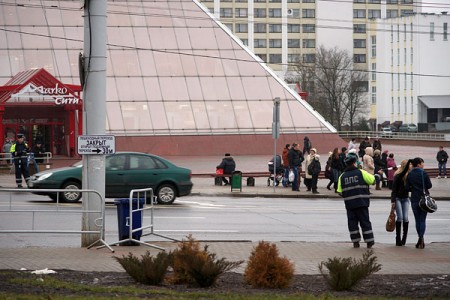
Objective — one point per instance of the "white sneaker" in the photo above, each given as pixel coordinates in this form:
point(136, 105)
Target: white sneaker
point(439, 177)
point(445, 177)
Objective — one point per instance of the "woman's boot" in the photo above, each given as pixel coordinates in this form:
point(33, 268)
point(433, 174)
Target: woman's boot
point(420, 243)
point(405, 232)
point(398, 229)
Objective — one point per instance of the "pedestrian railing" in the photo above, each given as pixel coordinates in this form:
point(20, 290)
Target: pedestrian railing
point(18, 224)
point(136, 209)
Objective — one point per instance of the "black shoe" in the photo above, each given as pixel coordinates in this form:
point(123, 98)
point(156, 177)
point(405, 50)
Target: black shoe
point(420, 244)
point(315, 192)
point(19, 186)
point(370, 244)
point(308, 190)
point(356, 245)
point(328, 188)
point(226, 183)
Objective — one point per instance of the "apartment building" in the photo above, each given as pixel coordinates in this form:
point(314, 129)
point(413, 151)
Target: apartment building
point(411, 65)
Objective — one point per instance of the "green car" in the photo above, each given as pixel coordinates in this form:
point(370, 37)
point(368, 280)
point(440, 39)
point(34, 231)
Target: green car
point(125, 171)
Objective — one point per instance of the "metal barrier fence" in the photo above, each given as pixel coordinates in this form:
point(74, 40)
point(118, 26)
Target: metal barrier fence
point(58, 209)
point(422, 136)
point(135, 196)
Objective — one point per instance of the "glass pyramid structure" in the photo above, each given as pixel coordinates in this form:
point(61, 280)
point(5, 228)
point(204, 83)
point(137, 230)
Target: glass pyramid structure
point(173, 69)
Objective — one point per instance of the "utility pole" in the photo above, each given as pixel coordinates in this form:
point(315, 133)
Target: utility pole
point(275, 135)
point(94, 110)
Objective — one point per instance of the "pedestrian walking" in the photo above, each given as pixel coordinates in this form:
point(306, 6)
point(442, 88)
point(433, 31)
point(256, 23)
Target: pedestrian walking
point(314, 170)
point(228, 165)
point(400, 201)
point(353, 186)
point(442, 158)
point(379, 168)
point(329, 171)
point(391, 167)
point(417, 183)
point(295, 157)
point(285, 164)
point(363, 145)
point(7, 150)
point(19, 152)
point(306, 146)
point(336, 167)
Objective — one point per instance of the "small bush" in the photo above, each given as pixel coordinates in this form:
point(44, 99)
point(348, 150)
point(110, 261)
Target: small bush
point(191, 264)
point(267, 269)
point(148, 270)
point(344, 273)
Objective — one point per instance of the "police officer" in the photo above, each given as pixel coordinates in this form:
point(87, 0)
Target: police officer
point(19, 152)
point(353, 186)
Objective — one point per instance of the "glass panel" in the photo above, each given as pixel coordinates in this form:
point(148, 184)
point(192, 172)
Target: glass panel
point(162, 38)
point(194, 88)
point(17, 61)
point(208, 63)
point(183, 38)
point(130, 88)
point(36, 59)
point(13, 39)
point(188, 63)
point(257, 88)
point(229, 63)
point(111, 89)
point(200, 116)
point(158, 115)
point(76, 37)
point(302, 118)
point(36, 39)
point(242, 113)
point(167, 64)
point(53, 17)
point(120, 36)
point(136, 115)
point(31, 15)
point(179, 115)
point(125, 63)
point(147, 63)
point(261, 114)
point(202, 38)
point(173, 88)
point(237, 91)
point(223, 39)
point(57, 43)
point(221, 114)
point(10, 15)
point(214, 88)
point(152, 89)
point(114, 116)
point(4, 62)
point(62, 63)
point(141, 38)
point(248, 66)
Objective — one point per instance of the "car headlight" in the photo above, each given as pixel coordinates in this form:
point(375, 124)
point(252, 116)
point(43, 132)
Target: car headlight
point(43, 177)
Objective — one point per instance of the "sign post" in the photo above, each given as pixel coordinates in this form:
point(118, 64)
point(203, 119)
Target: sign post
point(96, 144)
point(275, 135)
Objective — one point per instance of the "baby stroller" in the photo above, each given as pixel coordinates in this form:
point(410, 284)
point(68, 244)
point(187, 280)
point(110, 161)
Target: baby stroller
point(278, 171)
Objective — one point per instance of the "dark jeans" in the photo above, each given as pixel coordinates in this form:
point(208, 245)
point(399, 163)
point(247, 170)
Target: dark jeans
point(314, 180)
point(295, 184)
point(21, 168)
point(421, 218)
point(359, 217)
point(442, 167)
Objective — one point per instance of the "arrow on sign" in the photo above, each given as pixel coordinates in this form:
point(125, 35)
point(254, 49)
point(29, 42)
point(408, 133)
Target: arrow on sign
point(97, 151)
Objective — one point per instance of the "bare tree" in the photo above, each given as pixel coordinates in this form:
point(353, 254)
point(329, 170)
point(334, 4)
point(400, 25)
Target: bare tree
point(338, 94)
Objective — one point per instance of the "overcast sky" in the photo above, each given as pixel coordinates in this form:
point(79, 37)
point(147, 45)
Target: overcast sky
point(436, 6)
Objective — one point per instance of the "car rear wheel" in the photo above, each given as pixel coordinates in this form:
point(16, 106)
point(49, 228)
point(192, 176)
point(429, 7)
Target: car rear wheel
point(70, 197)
point(166, 194)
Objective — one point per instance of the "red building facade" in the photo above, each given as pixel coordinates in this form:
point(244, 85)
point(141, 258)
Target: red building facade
point(43, 108)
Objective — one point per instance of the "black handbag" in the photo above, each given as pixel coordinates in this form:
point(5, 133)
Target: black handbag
point(426, 203)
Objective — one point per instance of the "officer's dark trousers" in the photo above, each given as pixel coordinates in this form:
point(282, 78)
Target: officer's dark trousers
point(21, 168)
point(359, 216)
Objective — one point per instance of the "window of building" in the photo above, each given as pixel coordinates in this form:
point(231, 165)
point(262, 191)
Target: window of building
point(412, 55)
point(241, 12)
point(392, 105)
point(398, 81)
point(391, 13)
point(274, 1)
point(445, 32)
point(374, 95)
point(406, 82)
point(259, 12)
point(274, 12)
point(295, 13)
point(392, 57)
point(241, 1)
point(405, 12)
point(226, 12)
point(407, 1)
point(406, 106)
point(398, 57)
point(260, 1)
point(225, 1)
point(259, 43)
point(260, 28)
point(293, 28)
point(374, 45)
point(262, 56)
point(359, 28)
point(309, 1)
point(309, 43)
point(412, 81)
point(244, 41)
point(404, 32)
point(359, 58)
point(392, 81)
point(274, 28)
point(392, 34)
point(308, 13)
point(374, 71)
point(391, 1)
point(359, 1)
point(275, 58)
point(398, 104)
point(359, 43)
point(293, 58)
point(431, 31)
point(405, 55)
point(309, 28)
point(293, 1)
point(293, 43)
point(309, 58)
point(412, 105)
point(412, 32)
point(398, 33)
point(374, 1)
point(359, 13)
point(274, 43)
point(241, 27)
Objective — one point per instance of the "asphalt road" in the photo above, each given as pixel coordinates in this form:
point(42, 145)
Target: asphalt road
point(212, 219)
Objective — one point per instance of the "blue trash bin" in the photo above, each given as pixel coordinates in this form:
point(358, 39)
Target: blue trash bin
point(123, 212)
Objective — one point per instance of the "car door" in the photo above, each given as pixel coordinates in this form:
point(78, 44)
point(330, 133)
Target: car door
point(143, 172)
point(115, 173)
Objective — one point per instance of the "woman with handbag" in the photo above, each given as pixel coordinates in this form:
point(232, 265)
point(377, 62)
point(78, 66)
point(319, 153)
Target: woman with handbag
point(400, 201)
point(418, 182)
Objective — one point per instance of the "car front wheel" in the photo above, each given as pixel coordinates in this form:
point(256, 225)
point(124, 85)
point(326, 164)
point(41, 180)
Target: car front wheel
point(70, 197)
point(166, 194)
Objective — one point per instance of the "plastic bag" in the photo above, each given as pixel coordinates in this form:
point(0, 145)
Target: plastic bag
point(291, 176)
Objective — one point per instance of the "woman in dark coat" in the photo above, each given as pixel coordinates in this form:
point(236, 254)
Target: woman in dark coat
point(400, 201)
point(417, 183)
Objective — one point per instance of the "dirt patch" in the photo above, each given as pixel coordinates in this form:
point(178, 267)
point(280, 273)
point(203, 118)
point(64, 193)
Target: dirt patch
point(408, 286)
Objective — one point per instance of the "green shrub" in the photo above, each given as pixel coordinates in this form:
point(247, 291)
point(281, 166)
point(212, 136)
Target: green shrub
point(192, 264)
point(344, 273)
point(147, 270)
point(267, 269)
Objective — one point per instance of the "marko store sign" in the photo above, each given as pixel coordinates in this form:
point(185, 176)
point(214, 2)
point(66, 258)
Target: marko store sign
point(60, 94)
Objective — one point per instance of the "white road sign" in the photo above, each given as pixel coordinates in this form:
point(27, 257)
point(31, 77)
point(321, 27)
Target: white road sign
point(96, 144)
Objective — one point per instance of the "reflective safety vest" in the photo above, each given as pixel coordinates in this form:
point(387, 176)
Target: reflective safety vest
point(354, 186)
